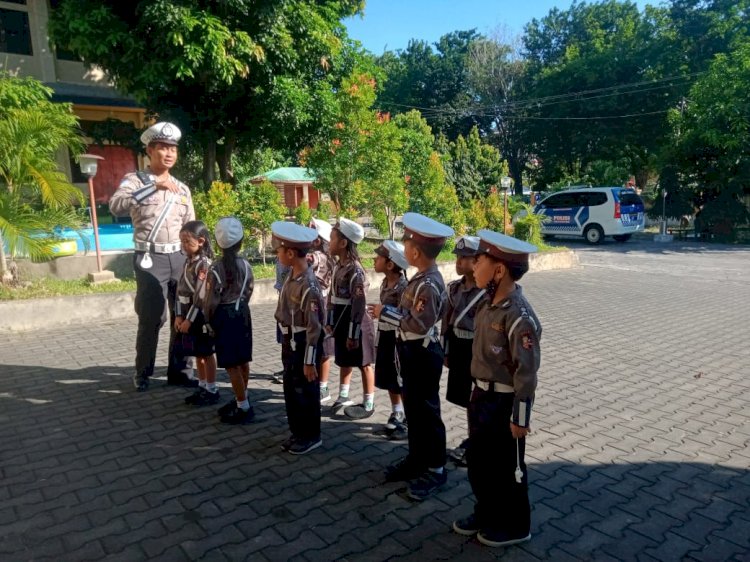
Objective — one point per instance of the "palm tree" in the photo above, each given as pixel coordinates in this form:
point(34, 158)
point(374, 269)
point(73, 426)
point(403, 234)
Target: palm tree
point(35, 197)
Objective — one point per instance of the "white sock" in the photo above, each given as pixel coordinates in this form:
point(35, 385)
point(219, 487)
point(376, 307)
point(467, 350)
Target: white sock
point(202, 384)
point(343, 391)
point(245, 405)
point(398, 408)
point(324, 386)
point(211, 386)
point(369, 401)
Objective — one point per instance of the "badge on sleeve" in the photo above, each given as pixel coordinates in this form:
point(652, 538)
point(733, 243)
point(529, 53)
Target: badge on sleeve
point(420, 306)
point(202, 274)
point(527, 340)
point(313, 306)
point(358, 291)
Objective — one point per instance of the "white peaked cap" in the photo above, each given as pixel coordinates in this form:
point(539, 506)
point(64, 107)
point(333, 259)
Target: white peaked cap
point(168, 133)
point(324, 228)
point(228, 232)
point(351, 230)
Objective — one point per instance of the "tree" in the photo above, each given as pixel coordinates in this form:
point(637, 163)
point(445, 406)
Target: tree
point(260, 205)
point(472, 167)
point(219, 200)
point(239, 73)
point(35, 197)
point(440, 199)
point(416, 148)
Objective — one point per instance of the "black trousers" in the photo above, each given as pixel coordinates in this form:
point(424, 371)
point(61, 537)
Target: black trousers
point(155, 294)
point(301, 397)
point(421, 368)
point(502, 503)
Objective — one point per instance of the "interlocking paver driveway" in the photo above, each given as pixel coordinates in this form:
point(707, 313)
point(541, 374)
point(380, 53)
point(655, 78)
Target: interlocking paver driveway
point(639, 451)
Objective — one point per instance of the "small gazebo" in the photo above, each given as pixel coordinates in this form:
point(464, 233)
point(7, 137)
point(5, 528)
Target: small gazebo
point(295, 185)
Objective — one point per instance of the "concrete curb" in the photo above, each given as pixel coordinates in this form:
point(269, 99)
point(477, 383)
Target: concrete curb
point(34, 314)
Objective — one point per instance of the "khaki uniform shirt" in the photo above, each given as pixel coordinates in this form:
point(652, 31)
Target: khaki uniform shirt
point(421, 304)
point(506, 349)
point(459, 298)
point(219, 291)
point(301, 308)
point(144, 203)
point(391, 296)
point(191, 288)
point(349, 283)
point(322, 265)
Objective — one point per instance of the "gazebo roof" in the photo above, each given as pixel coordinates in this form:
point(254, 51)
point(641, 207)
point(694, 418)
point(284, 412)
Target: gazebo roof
point(289, 174)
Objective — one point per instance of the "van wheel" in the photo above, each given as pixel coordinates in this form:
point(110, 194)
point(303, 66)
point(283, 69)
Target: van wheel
point(622, 237)
point(593, 234)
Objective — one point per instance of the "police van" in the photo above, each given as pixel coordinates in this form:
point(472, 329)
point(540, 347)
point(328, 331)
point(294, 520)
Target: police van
point(593, 212)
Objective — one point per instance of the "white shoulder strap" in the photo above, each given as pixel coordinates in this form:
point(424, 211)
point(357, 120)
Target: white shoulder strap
point(473, 301)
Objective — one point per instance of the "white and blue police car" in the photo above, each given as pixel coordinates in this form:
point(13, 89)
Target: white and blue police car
point(592, 212)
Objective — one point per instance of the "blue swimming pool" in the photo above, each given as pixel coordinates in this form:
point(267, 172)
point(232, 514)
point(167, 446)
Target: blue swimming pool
point(111, 237)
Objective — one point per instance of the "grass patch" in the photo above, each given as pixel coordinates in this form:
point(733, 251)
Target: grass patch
point(49, 287)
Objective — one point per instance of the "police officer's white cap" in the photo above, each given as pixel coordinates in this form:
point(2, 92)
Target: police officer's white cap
point(503, 247)
point(167, 133)
point(421, 228)
point(292, 235)
point(393, 251)
point(467, 246)
point(324, 228)
point(228, 232)
point(351, 230)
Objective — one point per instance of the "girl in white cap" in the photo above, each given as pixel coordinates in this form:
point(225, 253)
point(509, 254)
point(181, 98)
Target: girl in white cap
point(230, 286)
point(348, 320)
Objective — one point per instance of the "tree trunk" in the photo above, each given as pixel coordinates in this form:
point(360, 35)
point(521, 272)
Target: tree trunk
point(515, 168)
point(209, 162)
point(5, 275)
point(224, 159)
point(263, 247)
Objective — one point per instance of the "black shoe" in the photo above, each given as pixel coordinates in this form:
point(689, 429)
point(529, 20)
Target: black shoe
point(358, 412)
point(207, 398)
point(427, 484)
point(238, 416)
point(458, 456)
point(140, 383)
point(401, 433)
point(501, 538)
point(403, 470)
point(303, 446)
point(277, 377)
point(288, 443)
point(226, 408)
point(467, 526)
point(195, 397)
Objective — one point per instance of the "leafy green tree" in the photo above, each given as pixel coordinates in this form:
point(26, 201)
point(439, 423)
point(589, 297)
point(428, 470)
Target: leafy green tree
point(232, 74)
point(260, 205)
point(528, 226)
point(416, 148)
point(35, 197)
point(472, 167)
point(220, 200)
point(440, 200)
point(302, 214)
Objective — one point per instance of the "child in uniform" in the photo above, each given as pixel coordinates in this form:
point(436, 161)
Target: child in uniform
point(300, 317)
point(322, 265)
point(457, 330)
point(189, 320)
point(348, 322)
point(230, 286)
point(505, 361)
point(390, 260)
point(420, 356)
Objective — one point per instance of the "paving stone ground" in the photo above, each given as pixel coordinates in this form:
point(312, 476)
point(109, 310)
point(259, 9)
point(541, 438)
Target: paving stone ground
point(639, 450)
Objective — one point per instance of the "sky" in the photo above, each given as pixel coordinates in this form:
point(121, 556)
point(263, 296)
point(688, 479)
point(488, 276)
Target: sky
point(389, 24)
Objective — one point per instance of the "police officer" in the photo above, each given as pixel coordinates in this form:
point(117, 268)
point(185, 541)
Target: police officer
point(159, 205)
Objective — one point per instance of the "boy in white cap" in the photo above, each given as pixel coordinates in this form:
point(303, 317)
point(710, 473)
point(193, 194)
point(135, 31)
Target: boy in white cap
point(348, 322)
point(300, 317)
point(420, 356)
point(505, 360)
point(457, 330)
point(230, 286)
point(159, 206)
point(390, 260)
point(322, 265)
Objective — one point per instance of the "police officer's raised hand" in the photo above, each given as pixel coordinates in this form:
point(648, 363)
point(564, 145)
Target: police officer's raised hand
point(167, 185)
point(517, 431)
point(310, 372)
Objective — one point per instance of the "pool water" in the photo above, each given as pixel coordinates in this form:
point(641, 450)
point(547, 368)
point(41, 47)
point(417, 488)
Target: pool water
point(111, 237)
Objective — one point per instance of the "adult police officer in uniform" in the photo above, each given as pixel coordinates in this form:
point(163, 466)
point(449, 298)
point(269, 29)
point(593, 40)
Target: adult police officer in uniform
point(159, 205)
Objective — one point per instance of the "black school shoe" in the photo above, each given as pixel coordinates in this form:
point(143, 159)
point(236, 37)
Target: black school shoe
point(226, 408)
point(207, 398)
point(288, 442)
point(358, 412)
point(403, 470)
point(501, 538)
point(467, 526)
point(140, 383)
point(194, 397)
point(181, 379)
point(304, 446)
point(426, 485)
point(238, 416)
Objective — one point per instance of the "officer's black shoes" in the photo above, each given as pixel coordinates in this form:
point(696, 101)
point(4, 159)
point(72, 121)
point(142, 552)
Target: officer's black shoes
point(458, 456)
point(467, 526)
point(140, 383)
point(203, 397)
point(358, 412)
point(226, 408)
point(277, 377)
point(181, 379)
point(426, 485)
point(238, 416)
point(304, 446)
point(403, 470)
point(501, 538)
point(287, 443)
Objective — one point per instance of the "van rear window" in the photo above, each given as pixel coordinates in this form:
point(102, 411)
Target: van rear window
point(628, 197)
